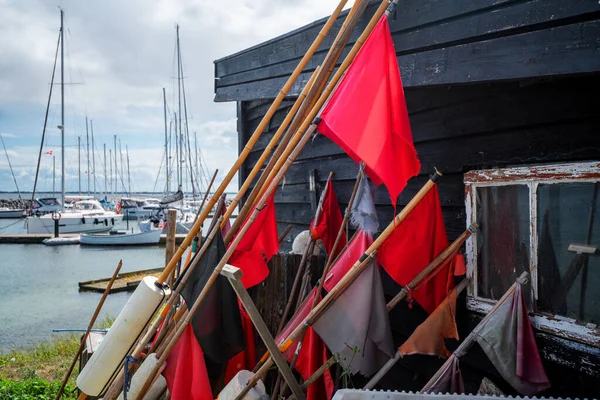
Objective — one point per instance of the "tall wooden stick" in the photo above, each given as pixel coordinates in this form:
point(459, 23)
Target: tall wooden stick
point(89, 328)
point(470, 339)
point(206, 194)
point(392, 361)
point(250, 144)
point(269, 172)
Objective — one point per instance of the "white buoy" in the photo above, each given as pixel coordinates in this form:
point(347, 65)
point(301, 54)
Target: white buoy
point(137, 381)
point(239, 381)
point(301, 241)
point(142, 304)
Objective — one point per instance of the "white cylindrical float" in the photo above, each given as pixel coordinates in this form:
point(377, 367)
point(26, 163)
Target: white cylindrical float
point(117, 343)
point(239, 381)
point(137, 381)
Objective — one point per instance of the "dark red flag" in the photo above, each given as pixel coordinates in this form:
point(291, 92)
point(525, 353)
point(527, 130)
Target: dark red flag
point(260, 243)
point(246, 359)
point(185, 373)
point(329, 223)
point(413, 245)
point(367, 116)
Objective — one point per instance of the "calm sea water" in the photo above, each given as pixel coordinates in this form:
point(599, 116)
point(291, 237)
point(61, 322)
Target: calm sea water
point(39, 291)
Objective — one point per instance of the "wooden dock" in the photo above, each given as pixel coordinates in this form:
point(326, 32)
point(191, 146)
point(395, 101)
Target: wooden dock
point(125, 282)
point(26, 238)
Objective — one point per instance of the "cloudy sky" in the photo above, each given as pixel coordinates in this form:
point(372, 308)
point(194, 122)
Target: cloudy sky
point(118, 57)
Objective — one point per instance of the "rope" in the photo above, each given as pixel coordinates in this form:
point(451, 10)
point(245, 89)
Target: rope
point(9, 225)
point(126, 377)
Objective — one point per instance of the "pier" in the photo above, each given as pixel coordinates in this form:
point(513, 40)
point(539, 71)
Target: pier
point(25, 238)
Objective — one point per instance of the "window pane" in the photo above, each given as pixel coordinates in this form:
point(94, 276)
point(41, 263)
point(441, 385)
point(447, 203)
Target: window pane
point(568, 283)
point(503, 241)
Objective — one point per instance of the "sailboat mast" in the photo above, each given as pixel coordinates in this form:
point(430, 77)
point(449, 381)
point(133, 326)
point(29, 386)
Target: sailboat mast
point(128, 171)
point(112, 189)
point(79, 163)
point(62, 103)
point(105, 181)
point(187, 132)
point(116, 189)
point(166, 139)
point(53, 176)
point(177, 150)
point(87, 140)
point(179, 136)
point(93, 156)
point(121, 171)
point(10, 166)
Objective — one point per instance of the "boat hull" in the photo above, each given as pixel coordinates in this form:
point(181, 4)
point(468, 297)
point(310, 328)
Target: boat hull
point(129, 239)
point(73, 224)
point(12, 213)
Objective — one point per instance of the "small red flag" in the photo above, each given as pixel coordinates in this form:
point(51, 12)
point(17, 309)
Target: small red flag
point(367, 115)
point(256, 248)
point(329, 223)
point(413, 245)
point(185, 373)
point(49, 152)
point(357, 247)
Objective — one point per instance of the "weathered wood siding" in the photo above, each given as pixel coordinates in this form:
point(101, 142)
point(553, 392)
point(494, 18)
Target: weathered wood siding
point(438, 42)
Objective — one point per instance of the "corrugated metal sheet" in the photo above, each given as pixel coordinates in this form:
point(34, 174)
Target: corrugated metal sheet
point(356, 394)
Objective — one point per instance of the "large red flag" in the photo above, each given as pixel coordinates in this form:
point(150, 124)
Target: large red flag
point(329, 223)
point(256, 248)
point(413, 245)
point(367, 116)
point(185, 373)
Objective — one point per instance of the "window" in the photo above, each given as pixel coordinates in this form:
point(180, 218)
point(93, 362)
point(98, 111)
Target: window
point(545, 220)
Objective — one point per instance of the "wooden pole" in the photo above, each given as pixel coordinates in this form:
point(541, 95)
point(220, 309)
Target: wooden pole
point(89, 328)
point(272, 144)
point(234, 275)
point(328, 65)
point(392, 361)
point(350, 276)
point(174, 297)
point(427, 273)
point(171, 236)
point(250, 144)
point(206, 194)
point(285, 233)
point(470, 339)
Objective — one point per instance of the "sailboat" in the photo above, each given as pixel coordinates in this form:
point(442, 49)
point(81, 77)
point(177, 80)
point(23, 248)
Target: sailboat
point(8, 212)
point(84, 215)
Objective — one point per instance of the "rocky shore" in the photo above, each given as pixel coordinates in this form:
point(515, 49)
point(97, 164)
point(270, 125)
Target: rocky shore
point(15, 204)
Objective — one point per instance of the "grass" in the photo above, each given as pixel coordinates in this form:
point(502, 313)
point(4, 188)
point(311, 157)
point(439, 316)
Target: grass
point(38, 368)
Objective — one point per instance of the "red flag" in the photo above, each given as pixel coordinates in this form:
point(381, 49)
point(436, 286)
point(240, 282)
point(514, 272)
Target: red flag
point(329, 222)
point(260, 243)
point(367, 115)
point(246, 359)
point(413, 245)
point(49, 152)
point(185, 372)
point(358, 245)
point(312, 355)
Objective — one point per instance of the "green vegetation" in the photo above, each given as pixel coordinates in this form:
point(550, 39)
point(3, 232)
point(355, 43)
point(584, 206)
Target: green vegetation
point(36, 373)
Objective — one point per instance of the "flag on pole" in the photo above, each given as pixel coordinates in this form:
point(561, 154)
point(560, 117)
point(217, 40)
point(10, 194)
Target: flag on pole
point(259, 244)
point(312, 355)
point(49, 152)
point(413, 245)
point(217, 323)
point(356, 327)
point(246, 359)
point(450, 381)
point(329, 223)
point(185, 372)
point(367, 116)
point(363, 214)
point(356, 248)
point(508, 341)
point(429, 337)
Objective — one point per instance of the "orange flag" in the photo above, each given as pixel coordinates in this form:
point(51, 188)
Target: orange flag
point(429, 337)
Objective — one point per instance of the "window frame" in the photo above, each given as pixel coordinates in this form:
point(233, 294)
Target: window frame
point(531, 177)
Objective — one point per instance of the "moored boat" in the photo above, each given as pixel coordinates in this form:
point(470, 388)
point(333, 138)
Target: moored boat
point(12, 213)
point(151, 237)
point(84, 216)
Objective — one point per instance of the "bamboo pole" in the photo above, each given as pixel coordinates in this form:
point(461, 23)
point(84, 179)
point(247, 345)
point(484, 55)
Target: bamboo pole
point(89, 328)
point(171, 245)
point(427, 273)
point(269, 172)
point(350, 276)
point(284, 233)
point(392, 361)
point(250, 144)
point(206, 194)
point(116, 386)
point(470, 339)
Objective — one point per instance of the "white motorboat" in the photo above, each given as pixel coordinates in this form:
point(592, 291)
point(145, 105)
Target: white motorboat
point(45, 205)
point(148, 237)
point(11, 213)
point(84, 216)
point(138, 209)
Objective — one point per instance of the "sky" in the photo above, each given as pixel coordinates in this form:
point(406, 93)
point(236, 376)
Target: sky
point(118, 57)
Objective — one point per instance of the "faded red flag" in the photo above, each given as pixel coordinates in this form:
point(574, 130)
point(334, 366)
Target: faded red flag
point(356, 248)
point(185, 373)
point(329, 223)
point(256, 248)
point(312, 355)
point(367, 116)
point(413, 245)
point(450, 381)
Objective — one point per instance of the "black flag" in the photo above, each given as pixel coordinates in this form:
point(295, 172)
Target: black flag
point(217, 323)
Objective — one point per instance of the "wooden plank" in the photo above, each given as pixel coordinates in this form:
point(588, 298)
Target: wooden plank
point(234, 275)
